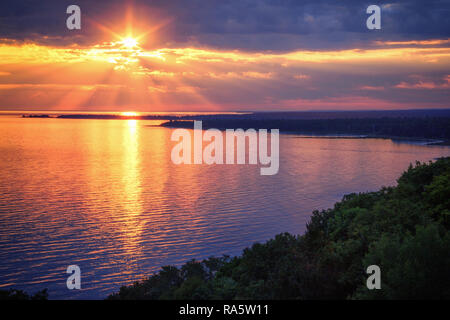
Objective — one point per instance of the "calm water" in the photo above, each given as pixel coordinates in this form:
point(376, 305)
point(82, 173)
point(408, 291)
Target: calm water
point(104, 194)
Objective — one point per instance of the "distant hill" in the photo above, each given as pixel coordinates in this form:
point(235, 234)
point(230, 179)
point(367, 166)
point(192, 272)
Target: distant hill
point(400, 124)
point(385, 127)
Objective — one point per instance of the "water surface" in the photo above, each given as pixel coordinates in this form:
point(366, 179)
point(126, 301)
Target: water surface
point(104, 194)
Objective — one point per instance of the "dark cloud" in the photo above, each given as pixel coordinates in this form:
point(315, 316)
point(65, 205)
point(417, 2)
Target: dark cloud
point(244, 24)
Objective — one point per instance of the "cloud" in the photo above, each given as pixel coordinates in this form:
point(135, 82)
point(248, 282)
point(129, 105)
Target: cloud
point(112, 77)
point(229, 55)
point(419, 83)
point(227, 24)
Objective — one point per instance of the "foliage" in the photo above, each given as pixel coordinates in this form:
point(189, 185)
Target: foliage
point(406, 127)
point(14, 294)
point(402, 229)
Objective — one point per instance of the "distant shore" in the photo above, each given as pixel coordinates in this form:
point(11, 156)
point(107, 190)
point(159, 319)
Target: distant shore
point(428, 127)
point(426, 131)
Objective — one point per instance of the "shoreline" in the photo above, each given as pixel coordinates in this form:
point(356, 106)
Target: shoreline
point(246, 121)
point(188, 124)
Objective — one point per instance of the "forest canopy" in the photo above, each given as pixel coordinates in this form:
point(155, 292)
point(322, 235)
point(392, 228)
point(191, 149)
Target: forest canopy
point(402, 229)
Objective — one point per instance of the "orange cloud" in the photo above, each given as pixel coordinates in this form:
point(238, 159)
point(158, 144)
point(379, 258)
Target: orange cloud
point(375, 88)
point(425, 84)
point(114, 76)
point(415, 42)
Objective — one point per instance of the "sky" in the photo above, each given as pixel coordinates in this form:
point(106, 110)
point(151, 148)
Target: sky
point(224, 55)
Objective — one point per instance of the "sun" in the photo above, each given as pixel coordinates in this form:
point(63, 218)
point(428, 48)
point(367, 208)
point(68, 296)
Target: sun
point(129, 42)
point(129, 114)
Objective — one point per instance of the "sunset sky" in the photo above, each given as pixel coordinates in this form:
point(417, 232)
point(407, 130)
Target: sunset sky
point(220, 55)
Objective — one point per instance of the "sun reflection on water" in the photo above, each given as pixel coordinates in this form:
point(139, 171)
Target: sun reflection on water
point(131, 203)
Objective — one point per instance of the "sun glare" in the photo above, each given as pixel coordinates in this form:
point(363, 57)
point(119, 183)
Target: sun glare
point(129, 114)
point(129, 42)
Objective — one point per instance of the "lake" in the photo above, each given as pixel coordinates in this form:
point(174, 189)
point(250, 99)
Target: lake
point(105, 195)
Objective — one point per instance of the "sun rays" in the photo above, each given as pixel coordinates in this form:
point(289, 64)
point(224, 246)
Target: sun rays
point(124, 70)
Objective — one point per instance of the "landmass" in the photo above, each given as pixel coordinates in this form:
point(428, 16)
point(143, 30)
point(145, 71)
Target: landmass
point(403, 229)
point(427, 126)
